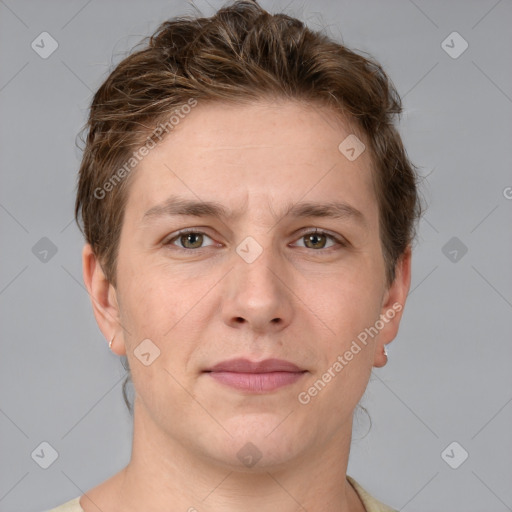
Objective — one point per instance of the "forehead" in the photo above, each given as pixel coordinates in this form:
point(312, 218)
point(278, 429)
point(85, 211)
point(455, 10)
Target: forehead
point(261, 124)
point(265, 153)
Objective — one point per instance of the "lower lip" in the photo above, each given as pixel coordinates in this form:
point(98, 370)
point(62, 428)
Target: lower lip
point(257, 382)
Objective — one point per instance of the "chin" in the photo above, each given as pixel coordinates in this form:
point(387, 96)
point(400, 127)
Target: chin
point(259, 443)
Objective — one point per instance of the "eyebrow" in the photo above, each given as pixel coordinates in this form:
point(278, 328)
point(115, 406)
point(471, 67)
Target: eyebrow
point(178, 206)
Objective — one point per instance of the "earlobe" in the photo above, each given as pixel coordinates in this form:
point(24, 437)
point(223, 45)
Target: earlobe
point(103, 297)
point(392, 307)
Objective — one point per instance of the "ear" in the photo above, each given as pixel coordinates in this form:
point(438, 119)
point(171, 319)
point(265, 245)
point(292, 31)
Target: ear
point(104, 299)
point(392, 307)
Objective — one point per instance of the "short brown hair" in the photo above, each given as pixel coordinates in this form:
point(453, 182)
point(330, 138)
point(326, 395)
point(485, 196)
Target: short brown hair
point(242, 53)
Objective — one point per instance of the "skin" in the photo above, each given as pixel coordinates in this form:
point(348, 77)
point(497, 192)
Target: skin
point(305, 304)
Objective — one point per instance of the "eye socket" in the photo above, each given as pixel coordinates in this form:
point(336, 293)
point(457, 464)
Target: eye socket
point(196, 237)
point(310, 236)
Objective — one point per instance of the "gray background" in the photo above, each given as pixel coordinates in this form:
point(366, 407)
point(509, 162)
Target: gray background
point(448, 377)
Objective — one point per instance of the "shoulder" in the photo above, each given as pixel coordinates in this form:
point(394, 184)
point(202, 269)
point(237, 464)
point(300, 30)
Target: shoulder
point(370, 503)
point(70, 506)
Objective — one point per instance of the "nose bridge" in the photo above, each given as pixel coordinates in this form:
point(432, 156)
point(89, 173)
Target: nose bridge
point(255, 290)
point(256, 267)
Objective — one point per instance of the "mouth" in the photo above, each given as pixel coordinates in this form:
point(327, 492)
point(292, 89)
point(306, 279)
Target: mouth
point(256, 377)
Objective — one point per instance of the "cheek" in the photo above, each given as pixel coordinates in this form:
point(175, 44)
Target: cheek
point(155, 315)
point(346, 351)
point(164, 306)
point(152, 292)
point(143, 304)
point(346, 303)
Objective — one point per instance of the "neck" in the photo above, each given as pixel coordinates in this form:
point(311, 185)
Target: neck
point(163, 473)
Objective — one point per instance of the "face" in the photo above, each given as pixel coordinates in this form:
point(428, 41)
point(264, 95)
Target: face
point(258, 275)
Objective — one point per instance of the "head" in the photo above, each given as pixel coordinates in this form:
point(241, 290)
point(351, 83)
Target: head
point(258, 114)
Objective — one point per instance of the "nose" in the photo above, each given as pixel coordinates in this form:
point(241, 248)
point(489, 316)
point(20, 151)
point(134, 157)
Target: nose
point(258, 295)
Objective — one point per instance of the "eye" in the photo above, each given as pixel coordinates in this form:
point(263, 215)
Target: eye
point(189, 239)
point(318, 239)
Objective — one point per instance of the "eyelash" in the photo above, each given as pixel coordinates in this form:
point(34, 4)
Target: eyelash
point(337, 240)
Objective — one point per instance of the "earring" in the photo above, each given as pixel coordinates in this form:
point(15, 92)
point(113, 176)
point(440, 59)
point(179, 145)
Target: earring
point(385, 351)
point(110, 342)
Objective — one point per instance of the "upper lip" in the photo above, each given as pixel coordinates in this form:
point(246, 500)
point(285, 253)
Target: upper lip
point(241, 365)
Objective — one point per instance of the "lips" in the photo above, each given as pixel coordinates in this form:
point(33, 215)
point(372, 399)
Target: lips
point(256, 377)
point(242, 365)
